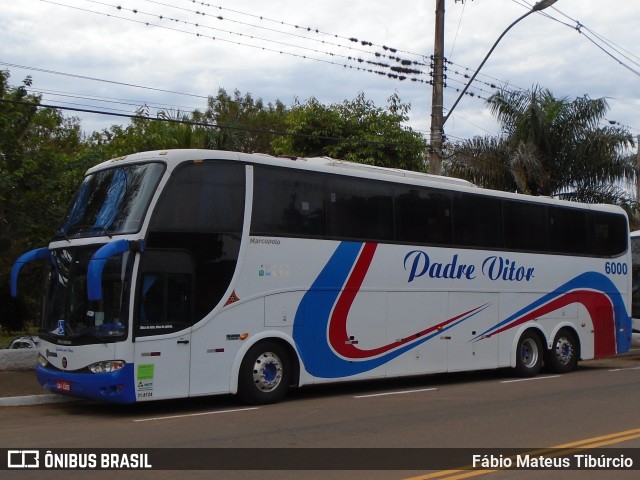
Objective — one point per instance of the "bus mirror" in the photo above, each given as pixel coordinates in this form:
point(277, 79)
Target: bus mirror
point(99, 259)
point(33, 255)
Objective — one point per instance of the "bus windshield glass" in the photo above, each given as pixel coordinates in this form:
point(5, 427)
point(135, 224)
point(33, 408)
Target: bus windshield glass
point(69, 317)
point(112, 201)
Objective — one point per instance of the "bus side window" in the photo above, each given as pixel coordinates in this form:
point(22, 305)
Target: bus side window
point(359, 209)
point(568, 231)
point(607, 234)
point(423, 216)
point(165, 298)
point(165, 292)
point(288, 203)
point(477, 221)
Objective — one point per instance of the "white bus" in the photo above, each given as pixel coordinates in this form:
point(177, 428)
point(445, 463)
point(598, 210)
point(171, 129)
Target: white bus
point(198, 272)
point(635, 295)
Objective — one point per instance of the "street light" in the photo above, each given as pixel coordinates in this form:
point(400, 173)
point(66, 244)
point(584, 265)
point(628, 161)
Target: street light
point(437, 121)
point(541, 5)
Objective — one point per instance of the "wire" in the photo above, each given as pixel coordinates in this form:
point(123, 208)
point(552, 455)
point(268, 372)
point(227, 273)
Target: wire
point(453, 75)
point(308, 29)
point(455, 38)
point(204, 124)
point(83, 77)
point(397, 73)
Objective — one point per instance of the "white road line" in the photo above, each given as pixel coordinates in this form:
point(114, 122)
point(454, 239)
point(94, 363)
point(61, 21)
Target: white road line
point(195, 414)
point(623, 369)
point(528, 379)
point(395, 393)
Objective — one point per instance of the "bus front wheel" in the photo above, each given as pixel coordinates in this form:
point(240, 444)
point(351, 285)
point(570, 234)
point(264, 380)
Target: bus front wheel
point(265, 374)
point(528, 355)
point(562, 357)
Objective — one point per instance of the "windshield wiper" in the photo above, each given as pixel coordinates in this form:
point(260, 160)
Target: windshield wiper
point(103, 230)
point(84, 230)
point(97, 336)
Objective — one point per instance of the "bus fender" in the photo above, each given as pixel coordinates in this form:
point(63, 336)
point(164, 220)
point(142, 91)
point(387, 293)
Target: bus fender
point(251, 341)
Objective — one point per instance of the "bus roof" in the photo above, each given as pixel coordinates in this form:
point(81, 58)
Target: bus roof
point(341, 167)
point(325, 163)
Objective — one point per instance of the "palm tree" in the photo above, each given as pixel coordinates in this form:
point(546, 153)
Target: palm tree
point(549, 146)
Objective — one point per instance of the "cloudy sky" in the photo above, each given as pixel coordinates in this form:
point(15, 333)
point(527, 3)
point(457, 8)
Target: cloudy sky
point(116, 55)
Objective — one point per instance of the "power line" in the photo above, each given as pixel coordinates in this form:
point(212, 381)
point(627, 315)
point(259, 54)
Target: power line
point(454, 76)
point(299, 36)
point(397, 72)
point(95, 79)
point(307, 29)
point(204, 124)
point(596, 39)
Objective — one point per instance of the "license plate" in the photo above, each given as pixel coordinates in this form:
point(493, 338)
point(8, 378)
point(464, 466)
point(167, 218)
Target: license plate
point(63, 386)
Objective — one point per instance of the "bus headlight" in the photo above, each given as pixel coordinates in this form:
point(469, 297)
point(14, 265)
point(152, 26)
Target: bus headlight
point(107, 366)
point(42, 361)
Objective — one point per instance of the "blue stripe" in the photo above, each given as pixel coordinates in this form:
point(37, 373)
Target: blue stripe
point(314, 312)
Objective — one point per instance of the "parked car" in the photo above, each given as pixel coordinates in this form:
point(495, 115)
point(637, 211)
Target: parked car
point(25, 341)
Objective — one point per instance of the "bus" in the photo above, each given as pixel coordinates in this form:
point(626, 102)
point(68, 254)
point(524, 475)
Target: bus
point(187, 273)
point(635, 287)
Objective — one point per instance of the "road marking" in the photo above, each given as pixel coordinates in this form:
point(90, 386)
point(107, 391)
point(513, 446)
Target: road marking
point(558, 450)
point(529, 379)
point(623, 369)
point(395, 393)
point(195, 414)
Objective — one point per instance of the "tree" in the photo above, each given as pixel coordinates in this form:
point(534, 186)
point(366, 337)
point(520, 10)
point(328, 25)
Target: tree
point(37, 180)
point(354, 130)
point(170, 129)
point(243, 124)
point(237, 123)
point(549, 146)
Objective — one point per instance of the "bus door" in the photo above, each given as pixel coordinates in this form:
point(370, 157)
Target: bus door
point(163, 320)
point(467, 348)
point(409, 314)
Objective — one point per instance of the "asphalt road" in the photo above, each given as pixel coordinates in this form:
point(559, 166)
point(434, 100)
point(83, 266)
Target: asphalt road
point(595, 406)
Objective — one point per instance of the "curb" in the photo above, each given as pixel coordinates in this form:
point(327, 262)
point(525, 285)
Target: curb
point(34, 400)
point(18, 359)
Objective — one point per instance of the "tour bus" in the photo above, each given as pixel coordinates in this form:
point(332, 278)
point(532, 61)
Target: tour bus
point(635, 292)
point(197, 272)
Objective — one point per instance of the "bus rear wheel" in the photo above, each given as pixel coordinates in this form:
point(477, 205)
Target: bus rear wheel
point(265, 374)
point(562, 357)
point(529, 355)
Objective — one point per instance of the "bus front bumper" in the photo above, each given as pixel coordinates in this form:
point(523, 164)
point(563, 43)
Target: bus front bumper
point(113, 387)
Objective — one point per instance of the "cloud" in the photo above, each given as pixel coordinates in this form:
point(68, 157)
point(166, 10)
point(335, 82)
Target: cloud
point(194, 52)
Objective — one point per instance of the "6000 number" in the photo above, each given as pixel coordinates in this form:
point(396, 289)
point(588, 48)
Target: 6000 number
point(615, 268)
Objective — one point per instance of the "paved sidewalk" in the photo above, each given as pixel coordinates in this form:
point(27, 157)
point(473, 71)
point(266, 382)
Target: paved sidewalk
point(20, 387)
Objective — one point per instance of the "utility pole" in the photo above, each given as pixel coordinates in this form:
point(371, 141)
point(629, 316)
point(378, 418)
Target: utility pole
point(437, 118)
point(435, 147)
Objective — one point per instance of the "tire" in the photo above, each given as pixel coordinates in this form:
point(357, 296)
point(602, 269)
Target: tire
point(563, 355)
point(528, 355)
point(265, 374)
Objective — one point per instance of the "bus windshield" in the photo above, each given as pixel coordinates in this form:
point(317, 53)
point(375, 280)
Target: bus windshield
point(112, 201)
point(69, 317)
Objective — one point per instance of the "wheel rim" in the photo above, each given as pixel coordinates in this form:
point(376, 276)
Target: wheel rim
point(529, 353)
point(564, 350)
point(267, 372)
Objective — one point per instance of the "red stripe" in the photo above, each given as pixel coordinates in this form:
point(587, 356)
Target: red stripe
point(600, 310)
point(338, 335)
point(597, 304)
